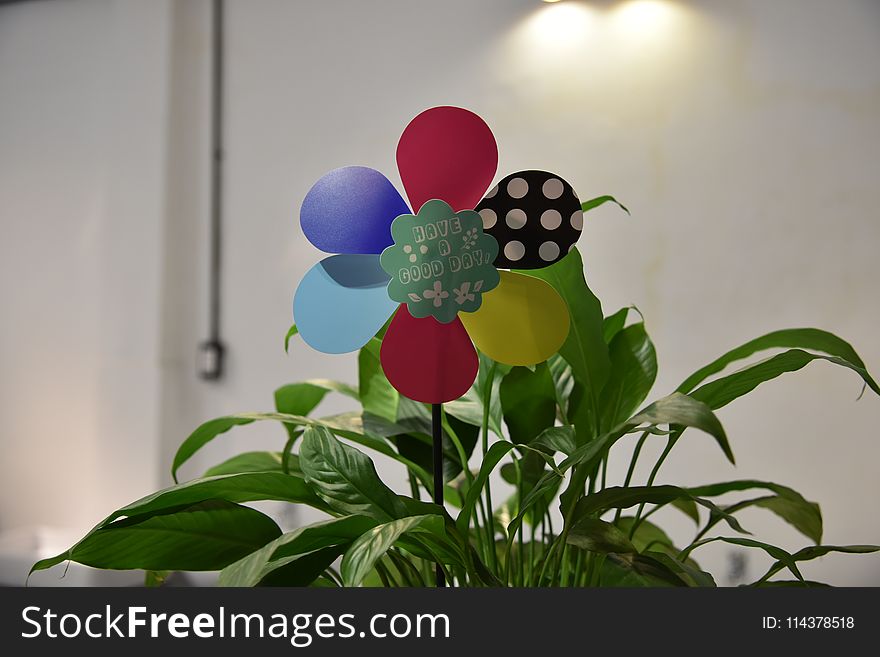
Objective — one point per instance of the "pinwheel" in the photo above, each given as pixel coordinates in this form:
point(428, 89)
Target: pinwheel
point(437, 270)
point(443, 268)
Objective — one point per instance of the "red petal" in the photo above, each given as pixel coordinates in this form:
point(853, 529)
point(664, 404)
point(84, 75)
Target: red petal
point(426, 360)
point(447, 153)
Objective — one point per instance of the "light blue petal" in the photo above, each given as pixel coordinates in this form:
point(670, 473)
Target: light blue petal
point(342, 302)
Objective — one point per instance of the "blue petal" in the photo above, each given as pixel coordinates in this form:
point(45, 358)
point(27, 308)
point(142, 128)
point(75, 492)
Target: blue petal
point(342, 302)
point(350, 210)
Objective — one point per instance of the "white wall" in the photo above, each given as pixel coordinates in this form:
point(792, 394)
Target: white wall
point(82, 146)
point(742, 135)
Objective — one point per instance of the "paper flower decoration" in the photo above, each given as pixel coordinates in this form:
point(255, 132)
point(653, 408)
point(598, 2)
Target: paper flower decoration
point(435, 268)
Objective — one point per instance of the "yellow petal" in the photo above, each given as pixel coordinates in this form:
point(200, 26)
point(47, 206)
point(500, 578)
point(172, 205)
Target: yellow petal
point(523, 321)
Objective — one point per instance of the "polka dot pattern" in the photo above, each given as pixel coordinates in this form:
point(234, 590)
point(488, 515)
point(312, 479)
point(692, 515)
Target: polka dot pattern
point(553, 188)
point(489, 218)
point(516, 219)
point(535, 216)
point(514, 250)
point(549, 251)
point(517, 188)
point(551, 219)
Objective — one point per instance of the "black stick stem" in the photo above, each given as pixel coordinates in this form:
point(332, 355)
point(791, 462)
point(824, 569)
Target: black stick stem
point(437, 430)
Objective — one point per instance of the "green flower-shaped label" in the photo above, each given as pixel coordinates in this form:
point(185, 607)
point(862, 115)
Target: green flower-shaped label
point(440, 262)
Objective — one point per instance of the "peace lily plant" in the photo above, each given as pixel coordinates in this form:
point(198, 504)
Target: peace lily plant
point(548, 430)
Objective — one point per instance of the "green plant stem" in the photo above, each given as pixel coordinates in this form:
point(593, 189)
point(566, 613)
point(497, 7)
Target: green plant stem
point(669, 445)
point(559, 563)
point(508, 550)
point(565, 558)
point(595, 576)
point(591, 565)
point(520, 529)
point(285, 453)
point(385, 575)
point(651, 512)
point(578, 567)
point(408, 572)
point(547, 557)
point(490, 525)
point(482, 533)
point(632, 467)
point(459, 449)
point(531, 568)
point(413, 486)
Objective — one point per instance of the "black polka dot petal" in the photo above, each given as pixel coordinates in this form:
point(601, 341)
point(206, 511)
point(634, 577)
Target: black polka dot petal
point(535, 216)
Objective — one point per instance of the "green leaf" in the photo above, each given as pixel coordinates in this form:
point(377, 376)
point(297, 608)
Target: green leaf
point(558, 439)
point(722, 391)
point(803, 338)
point(469, 408)
point(619, 497)
point(563, 381)
point(598, 536)
point(613, 324)
point(814, 552)
point(302, 398)
point(302, 569)
point(675, 409)
point(687, 507)
point(687, 570)
point(298, 398)
point(650, 539)
point(242, 487)
point(345, 477)
point(586, 206)
point(495, 453)
point(547, 485)
point(290, 333)
point(584, 348)
point(252, 569)
point(359, 429)
point(647, 536)
point(204, 536)
point(347, 425)
point(528, 402)
point(637, 570)
point(252, 462)
point(377, 395)
point(802, 515)
point(155, 578)
point(202, 436)
point(778, 553)
point(788, 504)
point(633, 371)
point(792, 583)
point(686, 411)
point(417, 444)
point(531, 470)
point(360, 558)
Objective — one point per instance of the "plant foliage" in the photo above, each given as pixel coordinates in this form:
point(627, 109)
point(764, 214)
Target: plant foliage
point(546, 431)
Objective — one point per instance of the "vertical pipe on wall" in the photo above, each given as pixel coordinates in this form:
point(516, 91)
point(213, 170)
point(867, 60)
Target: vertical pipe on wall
point(211, 351)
